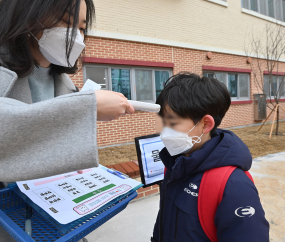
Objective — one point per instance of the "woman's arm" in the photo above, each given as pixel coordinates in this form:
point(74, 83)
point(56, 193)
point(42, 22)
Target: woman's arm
point(47, 138)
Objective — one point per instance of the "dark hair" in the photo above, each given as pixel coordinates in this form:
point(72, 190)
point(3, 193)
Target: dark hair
point(192, 96)
point(18, 18)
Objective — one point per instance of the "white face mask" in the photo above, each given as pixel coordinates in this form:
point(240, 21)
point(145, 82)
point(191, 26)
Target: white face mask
point(178, 142)
point(53, 46)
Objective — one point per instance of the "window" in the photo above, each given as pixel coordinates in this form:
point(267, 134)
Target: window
point(98, 75)
point(254, 5)
point(136, 83)
point(160, 79)
point(237, 83)
point(283, 9)
point(121, 81)
point(276, 85)
point(144, 88)
point(271, 8)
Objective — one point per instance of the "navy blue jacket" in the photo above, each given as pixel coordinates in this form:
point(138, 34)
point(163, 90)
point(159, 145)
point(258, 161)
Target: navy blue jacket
point(239, 217)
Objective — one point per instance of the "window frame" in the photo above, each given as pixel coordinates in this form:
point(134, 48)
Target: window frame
point(238, 98)
point(132, 70)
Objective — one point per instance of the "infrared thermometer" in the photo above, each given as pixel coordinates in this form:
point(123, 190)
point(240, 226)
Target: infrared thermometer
point(142, 106)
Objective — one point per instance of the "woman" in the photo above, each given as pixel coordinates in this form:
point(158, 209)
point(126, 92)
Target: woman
point(46, 127)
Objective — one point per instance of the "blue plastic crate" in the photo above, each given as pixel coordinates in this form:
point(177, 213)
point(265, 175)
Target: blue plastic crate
point(12, 219)
point(64, 228)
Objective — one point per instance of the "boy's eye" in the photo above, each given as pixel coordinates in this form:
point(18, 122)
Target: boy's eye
point(172, 124)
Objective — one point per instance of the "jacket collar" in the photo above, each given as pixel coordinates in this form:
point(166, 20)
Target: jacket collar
point(7, 81)
point(63, 85)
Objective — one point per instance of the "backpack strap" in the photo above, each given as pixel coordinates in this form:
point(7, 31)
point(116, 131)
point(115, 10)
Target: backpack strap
point(211, 193)
point(249, 176)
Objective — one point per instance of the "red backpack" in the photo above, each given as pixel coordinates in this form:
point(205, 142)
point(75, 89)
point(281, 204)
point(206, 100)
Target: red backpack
point(211, 193)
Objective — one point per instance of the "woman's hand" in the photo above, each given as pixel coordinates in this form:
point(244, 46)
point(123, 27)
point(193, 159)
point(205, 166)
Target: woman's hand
point(112, 105)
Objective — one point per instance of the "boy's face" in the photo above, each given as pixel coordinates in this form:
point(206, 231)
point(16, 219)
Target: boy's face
point(172, 120)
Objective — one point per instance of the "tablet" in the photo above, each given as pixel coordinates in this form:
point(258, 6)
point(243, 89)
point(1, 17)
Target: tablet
point(151, 166)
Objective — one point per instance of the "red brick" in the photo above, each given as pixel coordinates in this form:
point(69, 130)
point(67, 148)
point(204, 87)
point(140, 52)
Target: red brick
point(134, 167)
point(130, 171)
point(151, 192)
point(155, 186)
point(144, 189)
point(140, 195)
point(119, 168)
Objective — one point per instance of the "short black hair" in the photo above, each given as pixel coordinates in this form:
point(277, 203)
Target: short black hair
point(192, 96)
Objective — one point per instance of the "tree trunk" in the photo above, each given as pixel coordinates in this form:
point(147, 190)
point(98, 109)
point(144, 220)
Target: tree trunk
point(277, 123)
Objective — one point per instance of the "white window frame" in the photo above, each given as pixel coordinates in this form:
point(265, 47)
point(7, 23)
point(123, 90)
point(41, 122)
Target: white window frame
point(278, 83)
point(238, 98)
point(261, 15)
point(132, 76)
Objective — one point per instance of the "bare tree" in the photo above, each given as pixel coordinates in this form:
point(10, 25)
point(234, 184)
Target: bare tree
point(267, 48)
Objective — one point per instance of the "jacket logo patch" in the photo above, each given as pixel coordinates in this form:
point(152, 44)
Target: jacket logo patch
point(245, 212)
point(194, 187)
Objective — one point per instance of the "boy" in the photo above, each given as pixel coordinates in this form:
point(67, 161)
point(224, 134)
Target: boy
point(191, 109)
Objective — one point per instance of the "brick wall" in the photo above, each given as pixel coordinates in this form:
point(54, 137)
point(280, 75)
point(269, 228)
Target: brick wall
point(143, 192)
point(126, 128)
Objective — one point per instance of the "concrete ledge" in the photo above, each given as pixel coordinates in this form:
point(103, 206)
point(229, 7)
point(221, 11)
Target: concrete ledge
point(241, 102)
point(219, 2)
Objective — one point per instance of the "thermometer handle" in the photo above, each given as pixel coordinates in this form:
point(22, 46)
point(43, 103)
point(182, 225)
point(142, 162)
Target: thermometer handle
point(143, 106)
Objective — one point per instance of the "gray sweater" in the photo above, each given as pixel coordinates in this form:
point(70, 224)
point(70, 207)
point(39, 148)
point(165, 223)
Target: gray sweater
point(41, 84)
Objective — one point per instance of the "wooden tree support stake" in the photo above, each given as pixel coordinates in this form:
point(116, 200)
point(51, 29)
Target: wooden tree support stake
point(275, 113)
point(266, 119)
point(276, 108)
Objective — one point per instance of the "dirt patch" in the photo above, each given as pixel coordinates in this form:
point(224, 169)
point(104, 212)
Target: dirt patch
point(258, 143)
point(117, 154)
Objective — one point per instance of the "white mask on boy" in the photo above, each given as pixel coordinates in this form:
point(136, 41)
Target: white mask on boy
point(178, 142)
point(53, 46)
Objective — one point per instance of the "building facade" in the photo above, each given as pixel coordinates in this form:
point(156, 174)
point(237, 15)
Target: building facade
point(137, 45)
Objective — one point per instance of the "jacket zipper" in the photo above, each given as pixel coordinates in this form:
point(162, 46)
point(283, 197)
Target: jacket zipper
point(176, 221)
point(161, 209)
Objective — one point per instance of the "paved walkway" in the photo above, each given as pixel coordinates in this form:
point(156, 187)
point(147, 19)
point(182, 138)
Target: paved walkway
point(135, 223)
point(269, 176)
